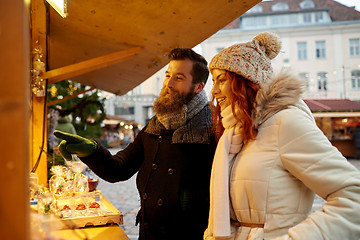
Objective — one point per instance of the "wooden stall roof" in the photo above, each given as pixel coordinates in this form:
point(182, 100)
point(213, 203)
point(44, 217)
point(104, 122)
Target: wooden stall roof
point(148, 28)
point(332, 105)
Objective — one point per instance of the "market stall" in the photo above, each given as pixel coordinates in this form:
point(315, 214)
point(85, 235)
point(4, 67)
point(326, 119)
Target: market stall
point(107, 45)
point(340, 128)
point(118, 131)
point(338, 120)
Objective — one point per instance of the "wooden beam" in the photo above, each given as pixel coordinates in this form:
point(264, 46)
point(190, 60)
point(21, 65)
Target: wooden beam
point(68, 97)
point(77, 69)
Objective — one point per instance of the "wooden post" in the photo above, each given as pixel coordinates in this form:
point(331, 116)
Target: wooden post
point(14, 119)
point(38, 134)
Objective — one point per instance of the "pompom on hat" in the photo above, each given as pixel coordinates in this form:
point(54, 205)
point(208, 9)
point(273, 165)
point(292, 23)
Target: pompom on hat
point(252, 60)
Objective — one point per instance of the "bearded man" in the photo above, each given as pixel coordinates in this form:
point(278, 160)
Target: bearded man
point(172, 155)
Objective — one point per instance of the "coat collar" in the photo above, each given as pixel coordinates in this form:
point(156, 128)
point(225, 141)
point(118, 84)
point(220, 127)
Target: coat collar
point(282, 91)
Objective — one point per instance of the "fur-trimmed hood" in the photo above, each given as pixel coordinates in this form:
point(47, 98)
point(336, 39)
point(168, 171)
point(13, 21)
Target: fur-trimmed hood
point(284, 90)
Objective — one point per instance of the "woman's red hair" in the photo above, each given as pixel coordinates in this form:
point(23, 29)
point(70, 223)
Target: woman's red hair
point(244, 93)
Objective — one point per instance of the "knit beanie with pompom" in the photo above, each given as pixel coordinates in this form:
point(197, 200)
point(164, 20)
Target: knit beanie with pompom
point(252, 60)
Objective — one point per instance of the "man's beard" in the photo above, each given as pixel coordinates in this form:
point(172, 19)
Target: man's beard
point(173, 102)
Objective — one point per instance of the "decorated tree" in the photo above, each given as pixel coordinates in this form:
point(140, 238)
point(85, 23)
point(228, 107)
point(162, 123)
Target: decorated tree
point(87, 109)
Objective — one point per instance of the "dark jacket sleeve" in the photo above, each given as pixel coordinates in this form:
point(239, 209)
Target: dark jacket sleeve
point(119, 167)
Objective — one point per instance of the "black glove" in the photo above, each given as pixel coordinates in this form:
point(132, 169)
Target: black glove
point(74, 144)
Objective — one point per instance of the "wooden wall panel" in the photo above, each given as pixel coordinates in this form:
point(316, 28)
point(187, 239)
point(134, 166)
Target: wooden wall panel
point(14, 119)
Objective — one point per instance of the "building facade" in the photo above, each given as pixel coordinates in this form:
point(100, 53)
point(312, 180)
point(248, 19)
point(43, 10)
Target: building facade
point(320, 42)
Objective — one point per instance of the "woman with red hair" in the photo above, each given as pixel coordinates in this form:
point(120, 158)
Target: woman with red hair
point(271, 158)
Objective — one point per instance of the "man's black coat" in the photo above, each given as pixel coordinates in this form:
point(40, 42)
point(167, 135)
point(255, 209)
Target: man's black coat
point(173, 179)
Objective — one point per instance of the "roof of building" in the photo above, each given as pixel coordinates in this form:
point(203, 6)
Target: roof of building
point(332, 105)
point(337, 11)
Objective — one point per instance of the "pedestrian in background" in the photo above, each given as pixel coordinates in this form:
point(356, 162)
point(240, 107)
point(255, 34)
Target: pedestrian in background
point(271, 157)
point(172, 155)
point(65, 124)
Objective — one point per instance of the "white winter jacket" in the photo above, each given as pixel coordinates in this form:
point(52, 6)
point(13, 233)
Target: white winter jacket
point(274, 178)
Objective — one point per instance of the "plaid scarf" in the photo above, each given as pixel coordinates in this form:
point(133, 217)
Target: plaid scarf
point(187, 123)
point(174, 120)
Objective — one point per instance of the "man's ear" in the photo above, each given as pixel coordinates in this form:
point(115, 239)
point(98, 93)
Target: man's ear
point(199, 87)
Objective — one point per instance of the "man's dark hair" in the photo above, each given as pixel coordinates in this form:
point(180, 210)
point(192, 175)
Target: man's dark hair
point(200, 71)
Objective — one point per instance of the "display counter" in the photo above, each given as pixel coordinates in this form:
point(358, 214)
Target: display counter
point(113, 231)
point(105, 225)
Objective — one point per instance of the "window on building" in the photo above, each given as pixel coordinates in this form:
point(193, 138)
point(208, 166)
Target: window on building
point(355, 79)
point(282, 20)
point(293, 19)
point(320, 49)
point(302, 50)
point(275, 20)
point(253, 22)
point(260, 21)
point(248, 22)
point(305, 76)
point(319, 17)
point(306, 4)
point(322, 81)
point(124, 110)
point(354, 45)
point(307, 17)
point(280, 7)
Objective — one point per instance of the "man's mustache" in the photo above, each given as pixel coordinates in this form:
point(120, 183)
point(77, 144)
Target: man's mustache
point(170, 91)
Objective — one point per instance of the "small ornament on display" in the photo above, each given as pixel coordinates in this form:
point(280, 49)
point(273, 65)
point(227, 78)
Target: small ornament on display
point(57, 183)
point(65, 208)
point(65, 205)
point(38, 84)
point(35, 188)
point(85, 204)
point(47, 203)
point(81, 184)
point(94, 205)
point(69, 179)
point(80, 208)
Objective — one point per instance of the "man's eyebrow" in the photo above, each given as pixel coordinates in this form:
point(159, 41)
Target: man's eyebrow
point(179, 73)
point(182, 74)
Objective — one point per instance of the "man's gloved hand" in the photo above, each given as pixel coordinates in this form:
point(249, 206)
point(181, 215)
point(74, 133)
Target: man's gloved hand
point(74, 144)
